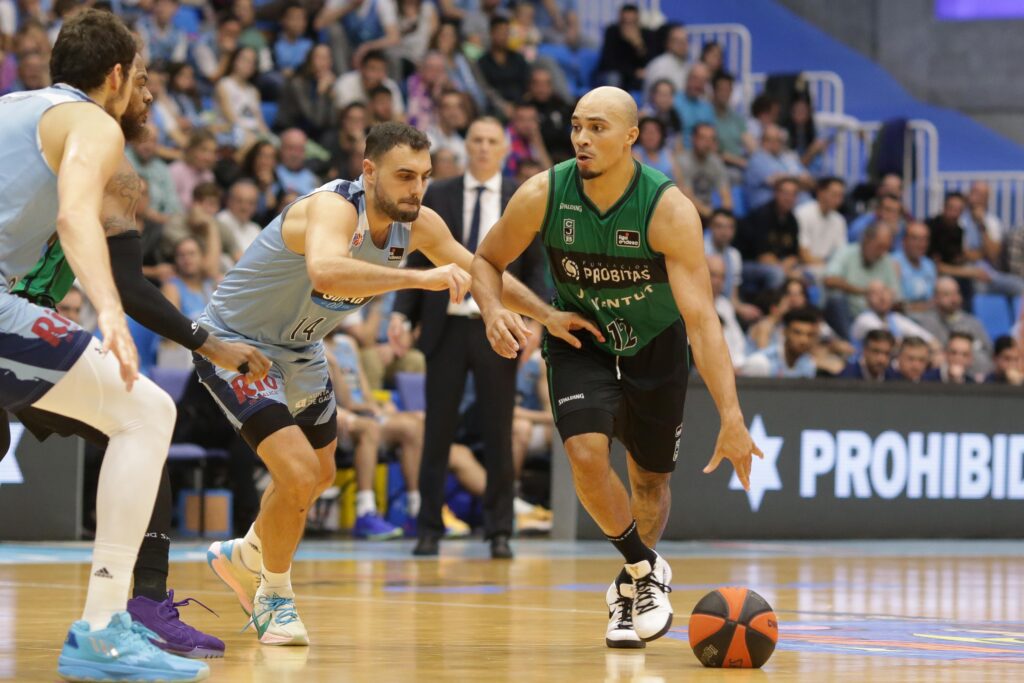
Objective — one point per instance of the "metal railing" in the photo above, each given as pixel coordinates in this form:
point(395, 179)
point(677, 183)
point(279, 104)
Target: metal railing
point(825, 87)
point(595, 15)
point(1006, 191)
point(736, 46)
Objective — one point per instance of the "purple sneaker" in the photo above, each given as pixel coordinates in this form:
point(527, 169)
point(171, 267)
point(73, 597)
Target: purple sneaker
point(175, 635)
point(374, 528)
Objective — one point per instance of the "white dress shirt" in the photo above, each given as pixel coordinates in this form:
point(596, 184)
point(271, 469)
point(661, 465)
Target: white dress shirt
point(490, 211)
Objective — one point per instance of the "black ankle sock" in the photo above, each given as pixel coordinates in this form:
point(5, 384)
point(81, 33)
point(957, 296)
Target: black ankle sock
point(151, 568)
point(632, 548)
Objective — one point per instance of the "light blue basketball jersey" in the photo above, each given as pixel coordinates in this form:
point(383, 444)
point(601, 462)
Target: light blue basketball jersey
point(268, 297)
point(28, 187)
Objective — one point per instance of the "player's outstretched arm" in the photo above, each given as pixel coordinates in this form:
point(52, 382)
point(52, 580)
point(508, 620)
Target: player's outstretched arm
point(330, 223)
point(676, 232)
point(93, 146)
point(504, 243)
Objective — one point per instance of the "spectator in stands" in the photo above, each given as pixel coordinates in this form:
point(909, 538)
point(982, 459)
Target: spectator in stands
point(791, 358)
point(626, 50)
point(959, 360)
point(575, 54)
point(524, 138)
point(252, 36)
point(453, 117)
point(259, 165)
point(851, 270)
point(237, 229)
point(162, 40)
point(554, 112)
point(917, 271)
point(768, 239)
point(523, 34)
point(673, 64)
point(803, 135)
point(875, 361)
point(1015, 252)
point(355, 85)
point(476, 16)
point(527, 169)
point(771, 163)
point(912, 362)
point(462, 72)
point(307, 101)
point(191, 288)
point(239, 101)
point(734, 142)
point(417, 23)
point(888, 209)
point(948, 316)
point(445, 164)
point(382, 106)
point(661, 105)
point(718, 240)
point(347, 145)
point(702, 172)
point(196, 167)
point(291, 171)
point(364, 28)
point(292, 46)
point(199, 222)
point(692, 103)
point(424, 89)
point(983, 230)
point(186, 104)
point(830, 351)
point(1008, 368)
point(880, 315)
point(651, 148)
point(163, 196)
point(735, 340)
point(33, 72)
point(211, 54)
point(764, 112)
point(822, 229)
point(505, 71)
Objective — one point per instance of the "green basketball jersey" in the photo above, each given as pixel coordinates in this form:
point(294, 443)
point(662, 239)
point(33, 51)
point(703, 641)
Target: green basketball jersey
point(602, 264)
point(50, 279)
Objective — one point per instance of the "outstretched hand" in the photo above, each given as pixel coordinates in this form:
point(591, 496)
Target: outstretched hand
point(735, 445)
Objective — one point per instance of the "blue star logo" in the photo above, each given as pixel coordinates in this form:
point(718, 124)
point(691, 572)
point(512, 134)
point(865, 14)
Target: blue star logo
point(764, 472)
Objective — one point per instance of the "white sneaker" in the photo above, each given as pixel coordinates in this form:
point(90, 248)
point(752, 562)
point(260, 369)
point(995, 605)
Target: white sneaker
point(620, 631)
point(652, 612)
point(225, 559)
point(276, 620)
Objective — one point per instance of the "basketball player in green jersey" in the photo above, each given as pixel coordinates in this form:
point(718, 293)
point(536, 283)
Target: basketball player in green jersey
point(626, 250)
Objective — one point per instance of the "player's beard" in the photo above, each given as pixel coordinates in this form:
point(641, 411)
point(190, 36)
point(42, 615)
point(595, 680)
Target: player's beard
point(588, 174)
point(133, 124)
point(392, 210)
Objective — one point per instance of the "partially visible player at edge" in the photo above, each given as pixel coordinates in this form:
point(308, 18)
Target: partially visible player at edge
point(59, 147)
point(625, 248)
point(48, 283)
point(330, 252)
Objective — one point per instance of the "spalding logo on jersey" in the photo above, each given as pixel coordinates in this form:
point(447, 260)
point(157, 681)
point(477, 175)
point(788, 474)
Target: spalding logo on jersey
point(338, 303)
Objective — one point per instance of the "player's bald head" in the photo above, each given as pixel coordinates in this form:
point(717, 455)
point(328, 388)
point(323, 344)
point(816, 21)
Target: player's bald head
point(614, 103)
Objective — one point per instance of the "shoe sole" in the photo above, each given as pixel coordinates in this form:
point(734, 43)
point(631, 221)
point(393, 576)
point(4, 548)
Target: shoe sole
point(195, 653)
point(381, 537)
point(280, 641)
point(221, 566)
point(87, 672)
point(659, 634)
point(625, 644)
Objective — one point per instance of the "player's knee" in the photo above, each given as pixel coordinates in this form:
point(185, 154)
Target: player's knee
point(298, 483)
point(650, 484)
point(147, 407)
point(587, 461)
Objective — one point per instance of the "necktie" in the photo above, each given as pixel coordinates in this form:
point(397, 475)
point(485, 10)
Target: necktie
point(474, 223)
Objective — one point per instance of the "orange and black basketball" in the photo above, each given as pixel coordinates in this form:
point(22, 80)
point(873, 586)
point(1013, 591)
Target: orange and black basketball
point(733, 628)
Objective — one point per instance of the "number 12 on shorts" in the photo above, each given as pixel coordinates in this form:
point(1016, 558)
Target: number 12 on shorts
point(308, 330)
point(622, 335)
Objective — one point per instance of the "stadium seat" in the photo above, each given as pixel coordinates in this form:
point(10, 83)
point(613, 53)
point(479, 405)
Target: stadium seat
point(993, 310)
point(173, 381)
point(412, 390)
point(189, 19)
point(269, 113)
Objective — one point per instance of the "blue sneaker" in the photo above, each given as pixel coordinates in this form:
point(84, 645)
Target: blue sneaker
point(373, 528)
point(122, 652)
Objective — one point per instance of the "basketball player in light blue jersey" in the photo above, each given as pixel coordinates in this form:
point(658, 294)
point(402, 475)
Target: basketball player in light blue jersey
point(327, 254)
point(59, 147)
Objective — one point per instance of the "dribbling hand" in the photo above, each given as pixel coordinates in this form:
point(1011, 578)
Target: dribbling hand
point(117, 339)
point(735, 445)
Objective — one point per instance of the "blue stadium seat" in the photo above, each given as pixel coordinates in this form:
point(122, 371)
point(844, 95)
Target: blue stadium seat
point(269, 113)
point(578, 66)
point(993, 310)
point(739, 201)
point(189, 19)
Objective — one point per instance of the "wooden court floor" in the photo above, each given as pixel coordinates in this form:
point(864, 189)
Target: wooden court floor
point(892, 612)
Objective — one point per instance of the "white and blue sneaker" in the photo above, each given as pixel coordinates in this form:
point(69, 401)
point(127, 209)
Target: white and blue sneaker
point(275, 619)
point(225, 559)
point(122, 652)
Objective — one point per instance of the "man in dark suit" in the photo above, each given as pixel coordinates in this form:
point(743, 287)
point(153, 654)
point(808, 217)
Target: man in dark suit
point(454, 341)
point(875, 362)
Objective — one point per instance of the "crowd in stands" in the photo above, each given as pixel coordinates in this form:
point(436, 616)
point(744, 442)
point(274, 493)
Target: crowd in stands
point(257, 102)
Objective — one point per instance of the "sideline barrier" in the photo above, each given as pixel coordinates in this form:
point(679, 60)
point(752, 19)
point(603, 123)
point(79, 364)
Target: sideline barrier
point(842, 460)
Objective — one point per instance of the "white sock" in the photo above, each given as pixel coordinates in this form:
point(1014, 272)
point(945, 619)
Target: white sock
point(366, 503)
point(276, 582)
point(412, 503)
point(109, 580)
point(252, 549)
